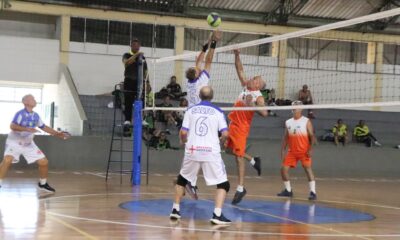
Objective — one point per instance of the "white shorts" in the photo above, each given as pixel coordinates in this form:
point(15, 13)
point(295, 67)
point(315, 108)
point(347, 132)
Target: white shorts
point(214, 171)
point(31, 152)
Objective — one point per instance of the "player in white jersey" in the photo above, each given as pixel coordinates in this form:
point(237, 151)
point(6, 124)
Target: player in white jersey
point(198, 77)
point(20, 142)
point(298, 138)
point(201, 125)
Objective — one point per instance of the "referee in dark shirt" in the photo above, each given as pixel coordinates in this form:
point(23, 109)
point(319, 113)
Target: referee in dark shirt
point(130, 60)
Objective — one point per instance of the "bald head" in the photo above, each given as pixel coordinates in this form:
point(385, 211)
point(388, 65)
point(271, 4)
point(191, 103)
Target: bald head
point(206, 93)
point(29, 101)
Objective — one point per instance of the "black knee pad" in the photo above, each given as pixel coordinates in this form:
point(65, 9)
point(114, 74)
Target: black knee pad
point(225, 185)
point(181, 181)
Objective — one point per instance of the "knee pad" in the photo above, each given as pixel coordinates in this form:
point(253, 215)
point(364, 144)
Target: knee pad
point(225, 185)
point(181, 181)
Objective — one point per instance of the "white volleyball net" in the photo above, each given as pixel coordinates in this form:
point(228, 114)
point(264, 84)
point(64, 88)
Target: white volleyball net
point(342, 68)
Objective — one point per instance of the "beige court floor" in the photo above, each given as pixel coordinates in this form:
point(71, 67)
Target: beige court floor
point(86, 207)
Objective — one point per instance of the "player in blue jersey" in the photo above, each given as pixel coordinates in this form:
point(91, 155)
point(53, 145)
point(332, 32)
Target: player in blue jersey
point(20, 142)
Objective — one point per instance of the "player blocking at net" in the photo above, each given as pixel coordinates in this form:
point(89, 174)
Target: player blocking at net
point(20, 142)
point(198, 77)
point(200, 128)
point(240, 121)
point(298, 138)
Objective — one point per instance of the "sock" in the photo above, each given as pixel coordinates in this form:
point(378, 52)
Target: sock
point(287, 186)
point(218, 211)
point(312, 186)
point(43, 181)
point(239, 188)
point(252, 162)
point(1, 181)
point(175, 206)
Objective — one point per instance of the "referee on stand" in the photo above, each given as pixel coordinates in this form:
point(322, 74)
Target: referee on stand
point(131, 90)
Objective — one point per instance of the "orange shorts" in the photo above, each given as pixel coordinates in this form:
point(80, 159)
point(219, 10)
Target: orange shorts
point(291, 159)
point(237, 140)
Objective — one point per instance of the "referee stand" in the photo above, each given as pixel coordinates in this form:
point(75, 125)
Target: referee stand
point(125, 153)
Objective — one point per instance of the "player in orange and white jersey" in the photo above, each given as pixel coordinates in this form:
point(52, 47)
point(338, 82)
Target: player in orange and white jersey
point(240, 121)
point(298, 140)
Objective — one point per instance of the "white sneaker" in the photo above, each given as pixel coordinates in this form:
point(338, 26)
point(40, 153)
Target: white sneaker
point(377, 143)
point(144, 123)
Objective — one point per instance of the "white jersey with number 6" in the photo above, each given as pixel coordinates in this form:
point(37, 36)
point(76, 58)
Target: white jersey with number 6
point(193, 87)
point(203, 122)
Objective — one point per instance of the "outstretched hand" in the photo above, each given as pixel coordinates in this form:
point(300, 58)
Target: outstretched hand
point(63, 135)
point(217, 35)
point(236, 51)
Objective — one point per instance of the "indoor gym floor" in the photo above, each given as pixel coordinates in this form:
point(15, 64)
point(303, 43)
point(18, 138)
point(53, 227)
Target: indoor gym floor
point(85, 207)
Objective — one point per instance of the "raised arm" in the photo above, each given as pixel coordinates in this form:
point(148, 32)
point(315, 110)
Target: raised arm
point(239, 68)
point(210, 54)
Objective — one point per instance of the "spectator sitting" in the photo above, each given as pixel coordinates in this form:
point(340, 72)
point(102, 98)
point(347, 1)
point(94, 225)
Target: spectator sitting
point(362, 134)
point(159, 141)
point(168, 117)
point(306, 97)
point(173, 89)
point(340, 132)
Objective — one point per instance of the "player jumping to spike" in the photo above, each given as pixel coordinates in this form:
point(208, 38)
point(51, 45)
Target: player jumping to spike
point(198, 77)
point(240, 121)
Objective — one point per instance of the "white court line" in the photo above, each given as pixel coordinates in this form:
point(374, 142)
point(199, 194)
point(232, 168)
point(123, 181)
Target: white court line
point(95, 174)
point(212, 230)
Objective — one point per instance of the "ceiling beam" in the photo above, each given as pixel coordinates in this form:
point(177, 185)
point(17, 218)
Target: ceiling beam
point(182, 21)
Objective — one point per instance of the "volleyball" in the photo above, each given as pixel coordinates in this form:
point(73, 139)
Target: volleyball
point(213, 19)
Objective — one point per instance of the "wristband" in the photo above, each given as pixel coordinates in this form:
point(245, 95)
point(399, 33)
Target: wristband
point(213, 44)
point(205, 47)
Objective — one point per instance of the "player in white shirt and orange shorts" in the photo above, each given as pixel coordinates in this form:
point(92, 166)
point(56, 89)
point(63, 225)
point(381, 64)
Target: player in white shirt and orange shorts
point(298, 140)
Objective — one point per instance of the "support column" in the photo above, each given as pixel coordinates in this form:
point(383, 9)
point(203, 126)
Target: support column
point(282, 68)
point(65, 26)
point(179, 49)
point(376, 50)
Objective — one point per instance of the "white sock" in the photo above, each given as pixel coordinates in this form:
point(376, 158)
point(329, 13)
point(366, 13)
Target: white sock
point(252, 162)
point(239, 188)
point(312, 186)
point(175, 206)
point(287, 186)
point(218, 211)
point(43, 181)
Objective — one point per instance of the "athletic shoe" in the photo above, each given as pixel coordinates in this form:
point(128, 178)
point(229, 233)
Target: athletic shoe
point(127, 130)
point(221, 220)
point(46, 187)
point(377, 144)
point(257, 165)
point(238, 196)
point(192, 190)
point(285, 193)
point(312, 196)
point(175, 215)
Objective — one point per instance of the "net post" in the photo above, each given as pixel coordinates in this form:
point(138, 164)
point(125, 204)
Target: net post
point(137, 126)
point(137, 142)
